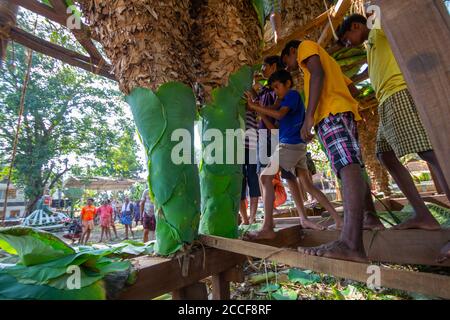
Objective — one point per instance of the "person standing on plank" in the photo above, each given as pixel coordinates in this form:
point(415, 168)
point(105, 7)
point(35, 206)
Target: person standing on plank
point(292, 154)
point(333, 112)
point(401, 131)
point(87, 217)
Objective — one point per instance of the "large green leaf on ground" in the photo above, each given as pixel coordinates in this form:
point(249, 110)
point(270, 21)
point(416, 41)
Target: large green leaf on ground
point(33, 247)
point(302, 277)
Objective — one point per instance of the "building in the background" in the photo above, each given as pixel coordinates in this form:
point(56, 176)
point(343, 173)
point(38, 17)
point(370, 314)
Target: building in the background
point(16, 202)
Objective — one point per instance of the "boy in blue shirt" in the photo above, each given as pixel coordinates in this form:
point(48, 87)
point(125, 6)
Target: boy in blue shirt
point(291, 156)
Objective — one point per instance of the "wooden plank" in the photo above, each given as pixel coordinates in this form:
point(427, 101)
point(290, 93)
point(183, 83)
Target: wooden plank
point(220, 287)
point(196, 291)
point(425, 283)
point(442, 200)
point(297, 34)
point(419, 34)
point(337, 16)
point(70, 57)
point(392, 246)
point(157, 276)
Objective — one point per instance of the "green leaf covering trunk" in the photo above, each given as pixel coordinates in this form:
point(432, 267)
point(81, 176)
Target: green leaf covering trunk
point(221, 183)
point(174, 188)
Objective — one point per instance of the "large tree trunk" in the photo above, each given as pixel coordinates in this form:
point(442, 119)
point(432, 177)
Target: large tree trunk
point(151, 43)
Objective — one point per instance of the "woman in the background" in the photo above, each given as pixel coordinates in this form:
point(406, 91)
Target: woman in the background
point(127, 217)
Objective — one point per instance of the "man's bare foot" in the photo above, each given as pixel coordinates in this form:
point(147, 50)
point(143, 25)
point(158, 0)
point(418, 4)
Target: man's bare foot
point(335, 250)
point(263, 234)
point(429, 224)
point(307, 224)
point(444, 254)
point(372, 222)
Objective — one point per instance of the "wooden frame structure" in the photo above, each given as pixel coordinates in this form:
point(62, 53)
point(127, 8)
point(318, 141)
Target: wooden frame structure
point(413, 27)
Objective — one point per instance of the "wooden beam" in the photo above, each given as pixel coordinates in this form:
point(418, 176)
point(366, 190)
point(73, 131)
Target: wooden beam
point(392, 246)
point(337, 17)
point(425, 283)
point(419, 34)
point(297, 34)
point(441, 200)
point(42, 10)
point(196, 291)
point(220, 287)
point(58, 52)
point(157, 276)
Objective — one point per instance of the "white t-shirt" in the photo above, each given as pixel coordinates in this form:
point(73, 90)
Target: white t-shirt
point(149, 208)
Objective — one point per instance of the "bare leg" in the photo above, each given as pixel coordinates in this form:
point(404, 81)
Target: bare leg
point(305, 180)
point(146, 231)
point(108, 233)
point(430, 157)
point(88, 235)
point(253, 209)
point(101, 236)
point(422, 219)
point(131, 230)
point(126, 232)
point(115, 230)
point(243, 212)
point(371, 221)
point(294, 187)
point(350, 245)
point(267, 231)
point(444, 254)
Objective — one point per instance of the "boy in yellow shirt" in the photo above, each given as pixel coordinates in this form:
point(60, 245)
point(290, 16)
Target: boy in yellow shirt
point(333, 112)
point(401, 131)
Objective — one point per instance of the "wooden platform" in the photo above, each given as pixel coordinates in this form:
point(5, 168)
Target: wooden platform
point(425, 283)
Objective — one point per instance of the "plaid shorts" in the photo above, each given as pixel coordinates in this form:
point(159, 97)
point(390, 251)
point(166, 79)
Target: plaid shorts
point(401, 129)
point(339, 135)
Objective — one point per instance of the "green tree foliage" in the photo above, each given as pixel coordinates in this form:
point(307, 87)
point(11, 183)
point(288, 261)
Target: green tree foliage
point(70, 117)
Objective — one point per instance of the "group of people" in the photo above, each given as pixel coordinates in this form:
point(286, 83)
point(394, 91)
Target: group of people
point(331, 113)
point(139, 211)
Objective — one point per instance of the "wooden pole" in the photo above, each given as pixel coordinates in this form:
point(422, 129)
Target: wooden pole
point(419, 34)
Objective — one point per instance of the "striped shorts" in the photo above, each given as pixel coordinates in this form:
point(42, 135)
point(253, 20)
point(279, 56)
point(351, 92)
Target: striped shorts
point(401, 129)
point(339, 135)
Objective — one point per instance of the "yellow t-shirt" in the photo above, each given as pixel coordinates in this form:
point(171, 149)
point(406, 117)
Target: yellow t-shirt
point(384, 72)
point(336, 97)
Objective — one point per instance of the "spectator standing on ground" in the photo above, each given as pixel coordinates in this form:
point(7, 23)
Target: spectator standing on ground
point(148, 216)
point(87, 217)
point(127, 217)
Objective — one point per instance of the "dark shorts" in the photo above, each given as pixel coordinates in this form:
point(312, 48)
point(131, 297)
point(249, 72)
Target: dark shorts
point(339, 135)
point(250, 172)
point(149, 222)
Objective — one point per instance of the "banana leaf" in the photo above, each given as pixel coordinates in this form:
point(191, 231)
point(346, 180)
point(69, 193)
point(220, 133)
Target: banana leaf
point(32, 246)
point(174, 188)
point(221, 183)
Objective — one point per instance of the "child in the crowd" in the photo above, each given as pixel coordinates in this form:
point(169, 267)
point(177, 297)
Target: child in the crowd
point(249, 170)
point(333, 112)
point(137, 212)
point(106, 214)
point(291, 154)
point(401, 131)
point(147, 210)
